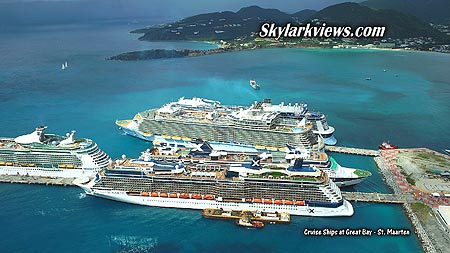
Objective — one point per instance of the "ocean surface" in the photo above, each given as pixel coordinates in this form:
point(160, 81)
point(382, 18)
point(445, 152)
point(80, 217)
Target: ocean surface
point(406, 101)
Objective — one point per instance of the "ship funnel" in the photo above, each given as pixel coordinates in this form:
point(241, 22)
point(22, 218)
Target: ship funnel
point(256, 163)
point(298, 163)
point(69, 139)
point(37, 136)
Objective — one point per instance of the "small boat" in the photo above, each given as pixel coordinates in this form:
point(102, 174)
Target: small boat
point(299, 203)
point(257, 201)
point(267, 201)
point(196, 196)
point(246, 222)
point(447, 151)
point(254, 85)
point(184, 195)
point(368, 78)
point(386, 145)
point(209, 197)
point(288, 202)
point(219, 213)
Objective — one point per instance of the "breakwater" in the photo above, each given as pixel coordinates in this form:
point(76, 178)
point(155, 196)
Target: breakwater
point(382, 163)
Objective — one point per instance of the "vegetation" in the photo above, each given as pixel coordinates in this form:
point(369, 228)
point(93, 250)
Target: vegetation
point(432, 157)
point(246, 22)
point(408, 177)
point(421, 210)
point(362, 173)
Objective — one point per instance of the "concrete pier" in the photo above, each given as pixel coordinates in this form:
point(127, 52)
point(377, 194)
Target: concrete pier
point(36, 180)
point(353, 151)
point(379, 197)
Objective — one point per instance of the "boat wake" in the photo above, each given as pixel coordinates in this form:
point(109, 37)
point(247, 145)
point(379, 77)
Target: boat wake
point(122, 243)
point(82, 195)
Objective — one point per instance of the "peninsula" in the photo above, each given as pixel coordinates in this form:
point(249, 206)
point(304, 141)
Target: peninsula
point(234, 31)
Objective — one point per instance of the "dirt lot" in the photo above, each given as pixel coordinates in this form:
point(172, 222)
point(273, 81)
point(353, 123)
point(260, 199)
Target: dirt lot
point(422, 169)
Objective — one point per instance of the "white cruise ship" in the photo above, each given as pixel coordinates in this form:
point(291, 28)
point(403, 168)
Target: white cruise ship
point(298, 191)
point(49, 155)
point(263, 126)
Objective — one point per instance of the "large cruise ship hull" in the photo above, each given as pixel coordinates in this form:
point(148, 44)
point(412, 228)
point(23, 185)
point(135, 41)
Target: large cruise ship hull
point(345, 209)
point(47, 172)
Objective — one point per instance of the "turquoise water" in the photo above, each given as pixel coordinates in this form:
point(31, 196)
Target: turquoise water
point(408, 104)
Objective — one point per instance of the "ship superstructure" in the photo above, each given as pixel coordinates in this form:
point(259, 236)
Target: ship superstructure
point(259, 125)
point(49, 155)
point(303, 191)
point(340, 175)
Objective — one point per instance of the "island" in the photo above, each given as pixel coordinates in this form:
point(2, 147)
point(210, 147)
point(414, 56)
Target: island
point(235, 31)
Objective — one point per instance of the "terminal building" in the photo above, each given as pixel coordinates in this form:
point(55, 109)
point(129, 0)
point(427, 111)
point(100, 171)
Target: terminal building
point(444, 215)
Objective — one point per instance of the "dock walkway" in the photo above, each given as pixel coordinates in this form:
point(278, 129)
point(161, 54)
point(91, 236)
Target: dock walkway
point(36, 180)
point(354, 151)
point(379, 197)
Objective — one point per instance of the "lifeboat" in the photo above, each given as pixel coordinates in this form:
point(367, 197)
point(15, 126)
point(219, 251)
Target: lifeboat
point(209, 197)
point(267, 201)
point(154, 194)
point(69, 166)
point(288, 202)
point(163, 195)
point(196, 196)
point(61, 166)
point(2, 163)
point(184, 195)
point(24, 165)
point(248, 200)
point(9, 163)
point(31, 165)
point(278, 201)
point(173, 195)
point(257, 201)
point(144, 194)
point(300, 203)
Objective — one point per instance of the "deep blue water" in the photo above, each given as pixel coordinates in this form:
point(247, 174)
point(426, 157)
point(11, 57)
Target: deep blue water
point(408, 104)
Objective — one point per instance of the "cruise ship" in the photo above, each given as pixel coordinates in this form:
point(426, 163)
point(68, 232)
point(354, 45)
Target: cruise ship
point(211, 152)
point(262, 125)
point(48, 155)
point(341, 176)
point(304, 191)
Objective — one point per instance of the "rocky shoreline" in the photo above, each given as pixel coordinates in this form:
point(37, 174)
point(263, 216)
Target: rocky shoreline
point(421, 233)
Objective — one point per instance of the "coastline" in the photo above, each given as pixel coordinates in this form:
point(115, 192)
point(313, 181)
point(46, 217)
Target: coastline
point(423, 227)
point(220, 49)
